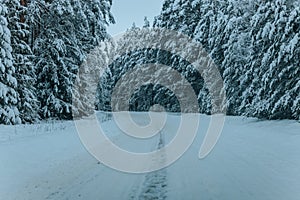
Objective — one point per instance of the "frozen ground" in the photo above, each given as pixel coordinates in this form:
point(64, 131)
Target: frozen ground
point(253, 160)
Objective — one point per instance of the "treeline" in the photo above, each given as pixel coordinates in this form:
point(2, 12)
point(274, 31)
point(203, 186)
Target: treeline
point(254, 43)
point(42, 45)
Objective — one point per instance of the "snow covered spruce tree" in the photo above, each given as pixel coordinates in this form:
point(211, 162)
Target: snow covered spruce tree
point(166, 14)
point(98, 17)
point(9, 113)
point(22, 61)
point(236, 50)
point(71, 28)
point(179, 15)
point(57, 59)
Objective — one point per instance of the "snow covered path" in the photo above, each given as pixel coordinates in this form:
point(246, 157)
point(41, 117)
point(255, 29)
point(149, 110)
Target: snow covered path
point(253, 160)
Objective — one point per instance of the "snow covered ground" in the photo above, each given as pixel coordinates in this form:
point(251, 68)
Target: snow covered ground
point(253, 160)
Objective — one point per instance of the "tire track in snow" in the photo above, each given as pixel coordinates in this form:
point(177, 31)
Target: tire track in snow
point(154, 186)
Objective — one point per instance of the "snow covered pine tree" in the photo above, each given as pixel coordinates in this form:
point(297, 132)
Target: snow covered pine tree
point(28, 104)
point(71, 29)
point(9, 113)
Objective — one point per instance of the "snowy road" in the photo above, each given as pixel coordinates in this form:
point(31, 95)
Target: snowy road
point(252, 160)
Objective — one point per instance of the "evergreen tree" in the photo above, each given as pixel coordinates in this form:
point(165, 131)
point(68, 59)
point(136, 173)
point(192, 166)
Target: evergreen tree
point(146, 23)
point(98, 16)
point(92, 21)
point(59, 57)
point(236, 53)
point(259, 45)
point(22, 61)
point(164, 18)
point(72, 28)
point(9, 113)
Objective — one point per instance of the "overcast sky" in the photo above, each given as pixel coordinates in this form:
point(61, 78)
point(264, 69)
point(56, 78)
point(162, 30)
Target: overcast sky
point(128, 11)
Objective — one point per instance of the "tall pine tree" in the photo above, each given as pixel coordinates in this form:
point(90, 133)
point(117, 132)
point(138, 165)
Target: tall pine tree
point(22, 60)
point(71, 29)
point(9, 113)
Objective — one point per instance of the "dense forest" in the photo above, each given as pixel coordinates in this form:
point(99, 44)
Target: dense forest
point(255, 45)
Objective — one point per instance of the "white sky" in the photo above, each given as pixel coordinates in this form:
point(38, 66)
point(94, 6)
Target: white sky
point(126, 12)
